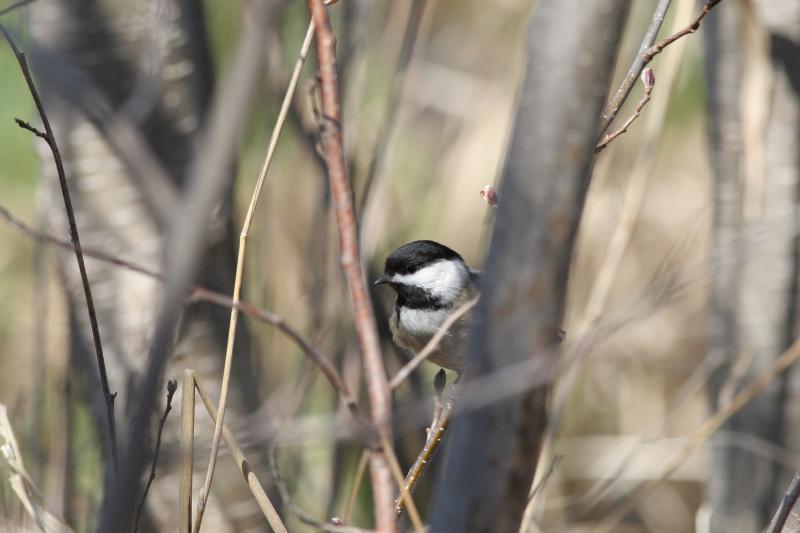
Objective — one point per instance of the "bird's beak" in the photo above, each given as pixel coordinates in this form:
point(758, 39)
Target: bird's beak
point(381, 280)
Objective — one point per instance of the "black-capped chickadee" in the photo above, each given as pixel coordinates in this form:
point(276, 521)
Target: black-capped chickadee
point(431, 281)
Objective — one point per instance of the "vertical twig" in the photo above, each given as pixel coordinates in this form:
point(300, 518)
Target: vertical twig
point(172, 386)
point(50, 139)
point(187, 449)
point(258, 492)
point(351, 498)
point(223, 397)
point(363, 315)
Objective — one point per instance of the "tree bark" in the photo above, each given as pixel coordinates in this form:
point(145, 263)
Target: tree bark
point(571, 47)
point(754, 110)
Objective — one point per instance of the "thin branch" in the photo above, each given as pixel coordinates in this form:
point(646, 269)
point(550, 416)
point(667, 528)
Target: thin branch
point(172, 386)
point(426, 454)
point(311, 351)
point(187, 451)
point(199, 293)
point(405, 495)
point(432, 345)
point(636, 67)
point(237, 286)
point(258, 492)
point(359, 476)
point(649, 81)
point(647, 51)
point(701, 435)
point(293, 507)
point(363, 315)
point(14, 6)
point(49, 137)
point(657, 48)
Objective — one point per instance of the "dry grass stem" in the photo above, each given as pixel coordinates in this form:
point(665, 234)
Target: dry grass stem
point(187, 445)
point(260, 495)
point(223, 397)
point(359, 476)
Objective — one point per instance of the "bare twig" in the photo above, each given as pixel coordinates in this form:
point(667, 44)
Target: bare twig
point(311, 351)
point(206, 295)
point(636, 67)
point(405, 495)
point(351, 498)
point(293, 507)
point(49, 137)
point(14, 6)
point(432, 345)
point(656, 49)
point(647, 51)
point(223, 397)
point(363, 316)
point(649, 81)
point(187, 449)
point(701, 435)
point(272, 516)
point(172, 386)
point(425, 455)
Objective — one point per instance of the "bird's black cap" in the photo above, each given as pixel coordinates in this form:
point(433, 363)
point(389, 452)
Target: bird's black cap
point(412, 256)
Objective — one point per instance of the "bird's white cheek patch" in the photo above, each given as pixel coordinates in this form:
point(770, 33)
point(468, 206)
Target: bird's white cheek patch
point(443, 279)
point(423, 321)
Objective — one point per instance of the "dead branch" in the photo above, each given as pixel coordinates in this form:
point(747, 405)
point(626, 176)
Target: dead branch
point(649, 82)
point(50, 139)
point(172, 386)
point(363, 315)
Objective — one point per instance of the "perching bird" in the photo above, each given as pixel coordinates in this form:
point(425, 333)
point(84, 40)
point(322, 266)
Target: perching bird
point(431, 281)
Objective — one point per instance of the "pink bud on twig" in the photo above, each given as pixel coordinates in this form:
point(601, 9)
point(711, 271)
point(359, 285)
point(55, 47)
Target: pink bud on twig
point(648, 79)
point(489, 195)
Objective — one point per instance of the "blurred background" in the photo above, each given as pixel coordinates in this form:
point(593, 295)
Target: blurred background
point(428, 90)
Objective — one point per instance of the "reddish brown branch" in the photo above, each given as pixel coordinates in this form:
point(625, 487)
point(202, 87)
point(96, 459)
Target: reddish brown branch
point(50, 138)
point(363, 315)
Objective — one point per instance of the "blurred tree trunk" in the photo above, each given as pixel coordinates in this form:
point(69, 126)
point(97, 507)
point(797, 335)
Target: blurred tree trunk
point(753, 68)
point(148, 61)
point(571, 47)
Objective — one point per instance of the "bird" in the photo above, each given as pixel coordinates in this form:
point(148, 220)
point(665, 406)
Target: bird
point(431, 281)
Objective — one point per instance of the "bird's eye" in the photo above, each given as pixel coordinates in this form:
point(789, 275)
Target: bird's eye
point(412, 269)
